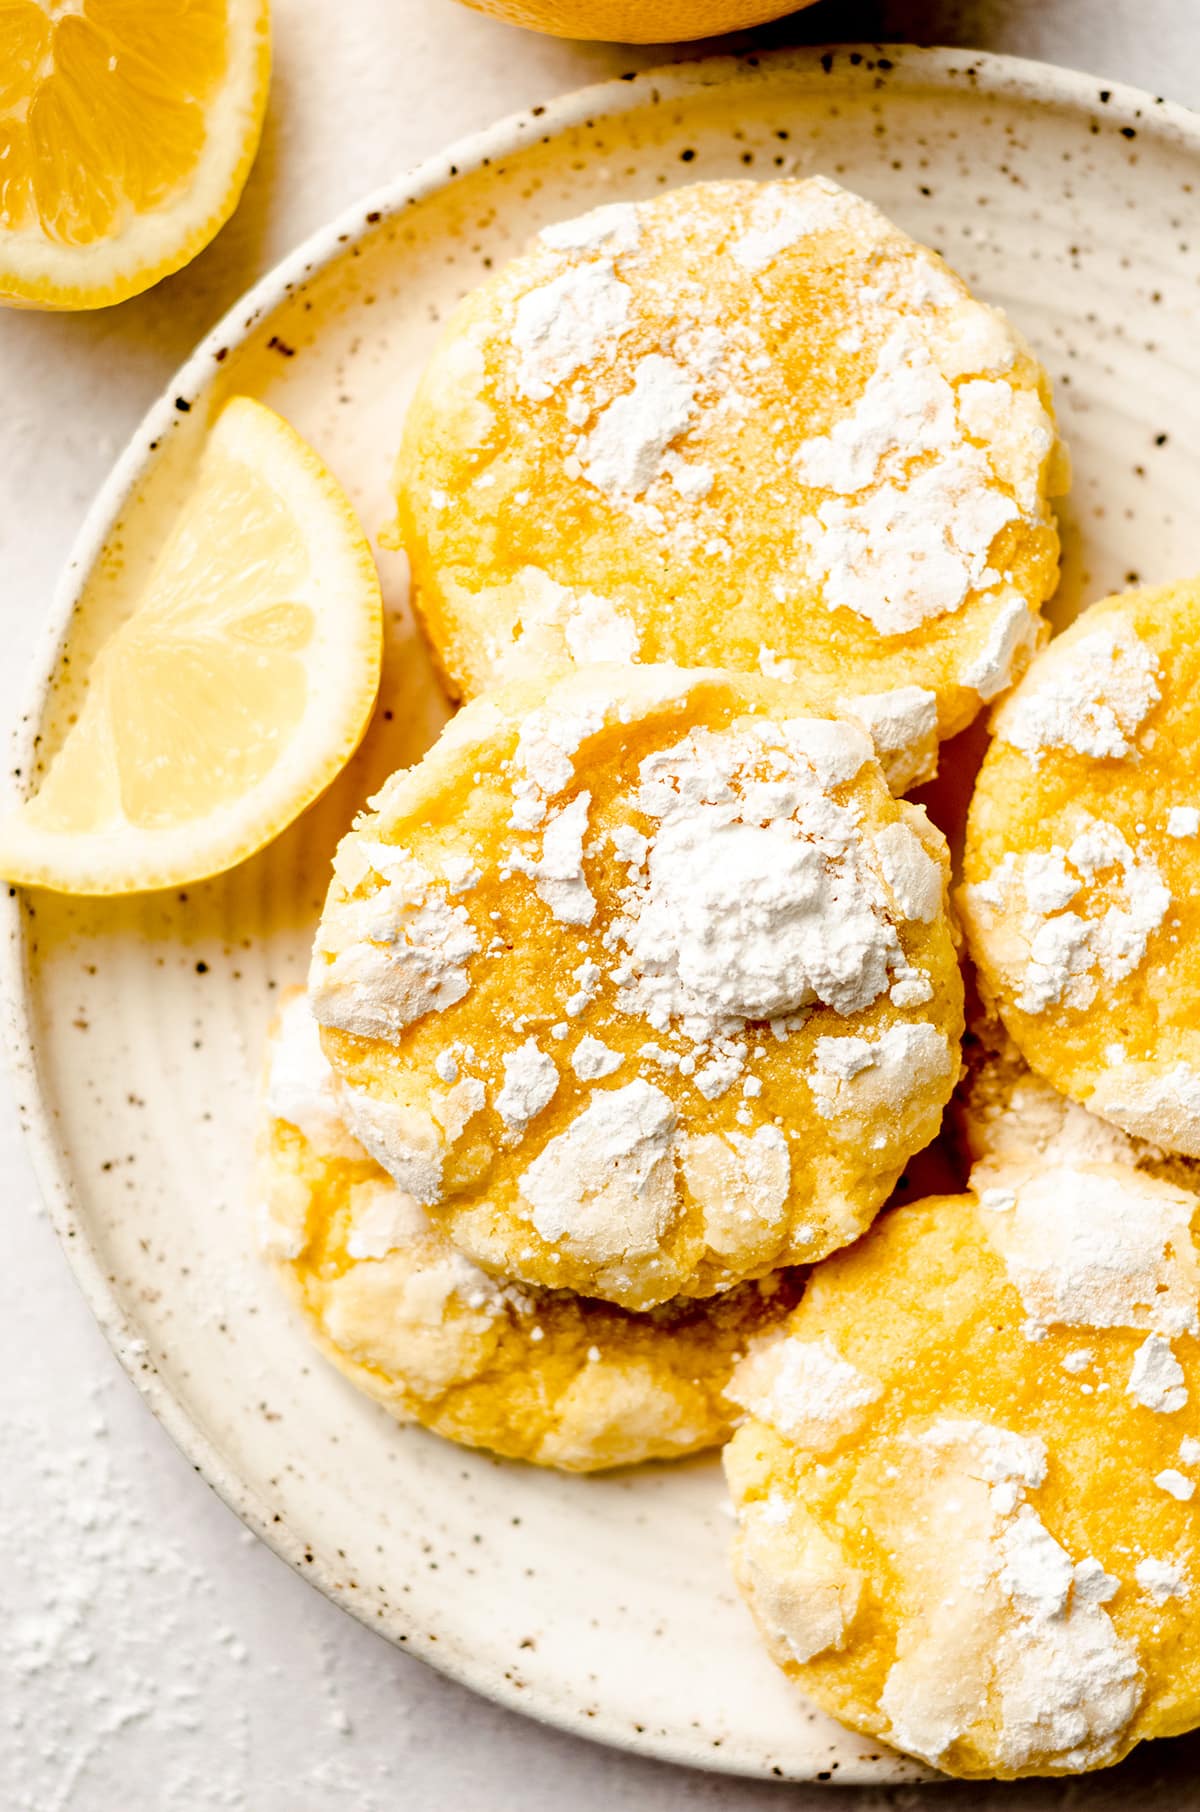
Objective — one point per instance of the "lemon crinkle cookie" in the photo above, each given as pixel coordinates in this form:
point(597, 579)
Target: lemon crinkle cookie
point(742, 425)
point(537, 1375)
point(641, 982)
point(965, 1489)
point(1005, 1114)
point(1079, 897)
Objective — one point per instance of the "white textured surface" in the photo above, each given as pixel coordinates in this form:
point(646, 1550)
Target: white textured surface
point(153, 1658)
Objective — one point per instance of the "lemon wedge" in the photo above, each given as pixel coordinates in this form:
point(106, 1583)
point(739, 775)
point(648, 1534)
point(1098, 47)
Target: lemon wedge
point(233, 694)
point(127, 131)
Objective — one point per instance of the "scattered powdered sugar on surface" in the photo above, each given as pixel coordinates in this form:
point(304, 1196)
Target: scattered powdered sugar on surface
point(1055, 954)
point(563, 324)
point(530, 1084)
point(905, 553)
point(1098, 1246)
point(1088, 697)
point(555, 618)
point(1157, 1380)
point(408, 1144)
point(593, 1059)
point(152, 1647)
point(1012, 1632)
point(805, 1389)
point(386, 958)
point(543, 759)
point(606, 1186)
point(1015, 429)
point(1162, 1579)
point(903, 725)
point(907, 407)
point(1183, 821)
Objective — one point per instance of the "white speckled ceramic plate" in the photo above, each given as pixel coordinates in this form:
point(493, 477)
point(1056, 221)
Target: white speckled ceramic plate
point(603, 1605)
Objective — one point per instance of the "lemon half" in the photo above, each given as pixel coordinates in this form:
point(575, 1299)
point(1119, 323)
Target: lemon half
point(235, 692)
point(127, 131)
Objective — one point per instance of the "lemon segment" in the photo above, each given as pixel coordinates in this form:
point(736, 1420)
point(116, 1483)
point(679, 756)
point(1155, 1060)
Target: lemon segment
point(127, 131)
point(233, 694)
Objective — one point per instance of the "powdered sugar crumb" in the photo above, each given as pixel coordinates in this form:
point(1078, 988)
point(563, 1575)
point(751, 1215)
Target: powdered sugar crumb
point(1157, 1380)
point(1162, 1579)
point(530, 1084)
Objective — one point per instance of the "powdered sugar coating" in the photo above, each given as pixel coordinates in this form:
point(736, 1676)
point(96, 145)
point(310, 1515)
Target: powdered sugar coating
point(1092, 964)
point(530, 1083)
point(605, 1186)
point(998, 1548)
point(1091, 697)
point(805, 1390)
point(1161, 1580)
point(1013, 635)
point(1061, 955)
point(1093, 1245)
point(1157, 1379)
point(851, 1071)
point(1059, 1682)
point(399, 952)
point(562, 325)
point(903, 725)
point(1153, 1102)
point(753, 901)
point(799, 408)
point(673, 884)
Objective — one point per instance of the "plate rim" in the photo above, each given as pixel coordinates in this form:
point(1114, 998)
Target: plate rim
point(948, 67)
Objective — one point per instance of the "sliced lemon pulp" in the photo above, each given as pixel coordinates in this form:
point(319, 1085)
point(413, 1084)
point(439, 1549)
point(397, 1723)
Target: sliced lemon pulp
point(127, 130)
point(238, 688)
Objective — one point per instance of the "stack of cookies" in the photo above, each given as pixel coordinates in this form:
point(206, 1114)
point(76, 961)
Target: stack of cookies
point(632, 1001)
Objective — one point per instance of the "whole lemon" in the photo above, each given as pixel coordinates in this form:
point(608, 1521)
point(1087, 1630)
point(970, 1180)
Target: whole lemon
point(636, 21)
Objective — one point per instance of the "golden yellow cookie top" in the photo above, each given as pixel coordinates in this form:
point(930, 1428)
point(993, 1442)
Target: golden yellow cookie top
point(966, 1491)
point(641, 981)
point(1080, 901)
point(537, 1375)
point(749, 425)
